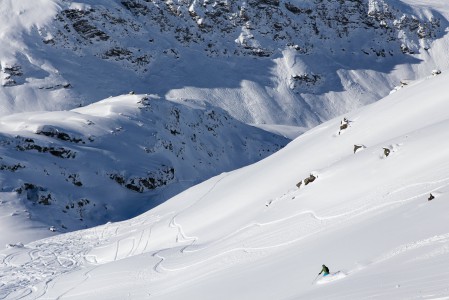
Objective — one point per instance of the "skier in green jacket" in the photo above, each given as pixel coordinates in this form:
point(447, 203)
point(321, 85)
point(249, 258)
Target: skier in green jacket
point(324, 270)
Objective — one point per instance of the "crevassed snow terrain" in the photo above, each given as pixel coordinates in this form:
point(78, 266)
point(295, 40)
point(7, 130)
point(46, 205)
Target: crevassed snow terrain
point(253, 234)
point(264, 61)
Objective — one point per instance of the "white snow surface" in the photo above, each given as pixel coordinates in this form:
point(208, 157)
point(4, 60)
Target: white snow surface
point(59, 54)
point(114, 160)
point(252, 234)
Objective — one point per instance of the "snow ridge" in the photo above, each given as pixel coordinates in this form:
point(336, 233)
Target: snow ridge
point(75, 168)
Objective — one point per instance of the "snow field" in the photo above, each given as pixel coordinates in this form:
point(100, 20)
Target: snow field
point(252, 234)
point(65, 69)
point(247, 234)
point(110, 144)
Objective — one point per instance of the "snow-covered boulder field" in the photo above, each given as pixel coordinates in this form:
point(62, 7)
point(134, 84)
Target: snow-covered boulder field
point(377, 214)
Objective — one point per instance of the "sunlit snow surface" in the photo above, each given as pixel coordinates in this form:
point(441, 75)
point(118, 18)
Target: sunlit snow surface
point(252, 234)
point(53, 56)
point(113, 160)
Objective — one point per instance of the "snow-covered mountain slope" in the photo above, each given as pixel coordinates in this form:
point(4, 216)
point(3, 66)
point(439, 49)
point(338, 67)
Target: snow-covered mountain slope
point(115, 159)
point(264, 61)
point(372, 204)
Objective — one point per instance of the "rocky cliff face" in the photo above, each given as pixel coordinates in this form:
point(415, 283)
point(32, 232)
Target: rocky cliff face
point(228, 28)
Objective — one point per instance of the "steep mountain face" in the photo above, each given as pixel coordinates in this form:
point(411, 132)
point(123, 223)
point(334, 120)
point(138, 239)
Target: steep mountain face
point(378, 219)
point(264, 61)
point(75, 168)
point(261, 26)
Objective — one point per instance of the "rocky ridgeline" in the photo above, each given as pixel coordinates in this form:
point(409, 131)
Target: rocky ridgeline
point(226, 28)
point(72, 174)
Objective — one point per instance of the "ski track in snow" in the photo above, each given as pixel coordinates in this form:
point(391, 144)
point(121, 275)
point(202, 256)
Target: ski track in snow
point(29, 270)
point(85, 278)
point(319, 226)
point(181, 236)
point(442, 238)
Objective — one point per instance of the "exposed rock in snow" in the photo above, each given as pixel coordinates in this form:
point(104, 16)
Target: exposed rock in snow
point(265, 62)
point(119, 157)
